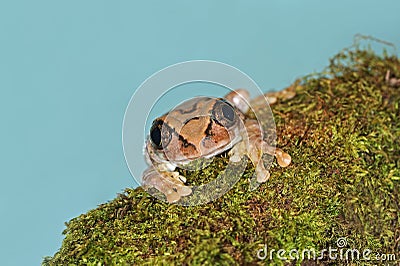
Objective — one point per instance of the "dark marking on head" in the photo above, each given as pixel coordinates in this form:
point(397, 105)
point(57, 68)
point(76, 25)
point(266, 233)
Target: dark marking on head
point(209, 128)
point(187, 148)
point(183, 111)
point(190, 119)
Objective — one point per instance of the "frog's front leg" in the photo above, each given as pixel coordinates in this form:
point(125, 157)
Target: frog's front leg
point(171, 184)
point(254, 147)
point(251, 146)
point(254, 153)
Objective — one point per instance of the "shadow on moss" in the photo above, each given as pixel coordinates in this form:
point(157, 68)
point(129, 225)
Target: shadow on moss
point(342, 130)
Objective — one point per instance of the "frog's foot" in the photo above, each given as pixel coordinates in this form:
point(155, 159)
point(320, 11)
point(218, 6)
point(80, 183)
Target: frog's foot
point(171, 184)
point(261, 172)
point(239, 150)
point(274, 96)
point(283, 158)
point(283, 95)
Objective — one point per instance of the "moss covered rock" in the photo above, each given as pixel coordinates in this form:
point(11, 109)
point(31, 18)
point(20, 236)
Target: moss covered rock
point(342, 130)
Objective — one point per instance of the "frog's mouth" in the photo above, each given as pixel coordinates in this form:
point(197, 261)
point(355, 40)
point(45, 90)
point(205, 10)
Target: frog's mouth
point(210, 154)
point(224, 148)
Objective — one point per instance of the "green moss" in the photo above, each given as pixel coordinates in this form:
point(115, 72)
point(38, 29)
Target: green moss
point(342, 130)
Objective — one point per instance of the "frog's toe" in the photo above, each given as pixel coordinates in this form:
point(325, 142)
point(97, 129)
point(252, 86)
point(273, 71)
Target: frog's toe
point(237, 152)
point(235, 158)
point(173, 196)
point(184, 190)
point(150, 178)
point(182, 179)
point(262, 173)
point(174, 189)
point(177, 192)
point(282, 157)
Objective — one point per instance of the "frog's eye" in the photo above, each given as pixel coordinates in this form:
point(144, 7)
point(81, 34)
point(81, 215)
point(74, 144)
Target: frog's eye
point(228, 112)
point(224, 113)
point(160, 135)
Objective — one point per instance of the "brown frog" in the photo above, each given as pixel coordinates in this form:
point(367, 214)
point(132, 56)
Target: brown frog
point(202, 128)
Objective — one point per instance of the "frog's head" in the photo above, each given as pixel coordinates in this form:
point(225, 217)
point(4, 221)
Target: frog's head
point(201, 127)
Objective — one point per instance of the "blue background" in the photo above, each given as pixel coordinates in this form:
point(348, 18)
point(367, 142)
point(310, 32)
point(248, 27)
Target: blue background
point(69, 68)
